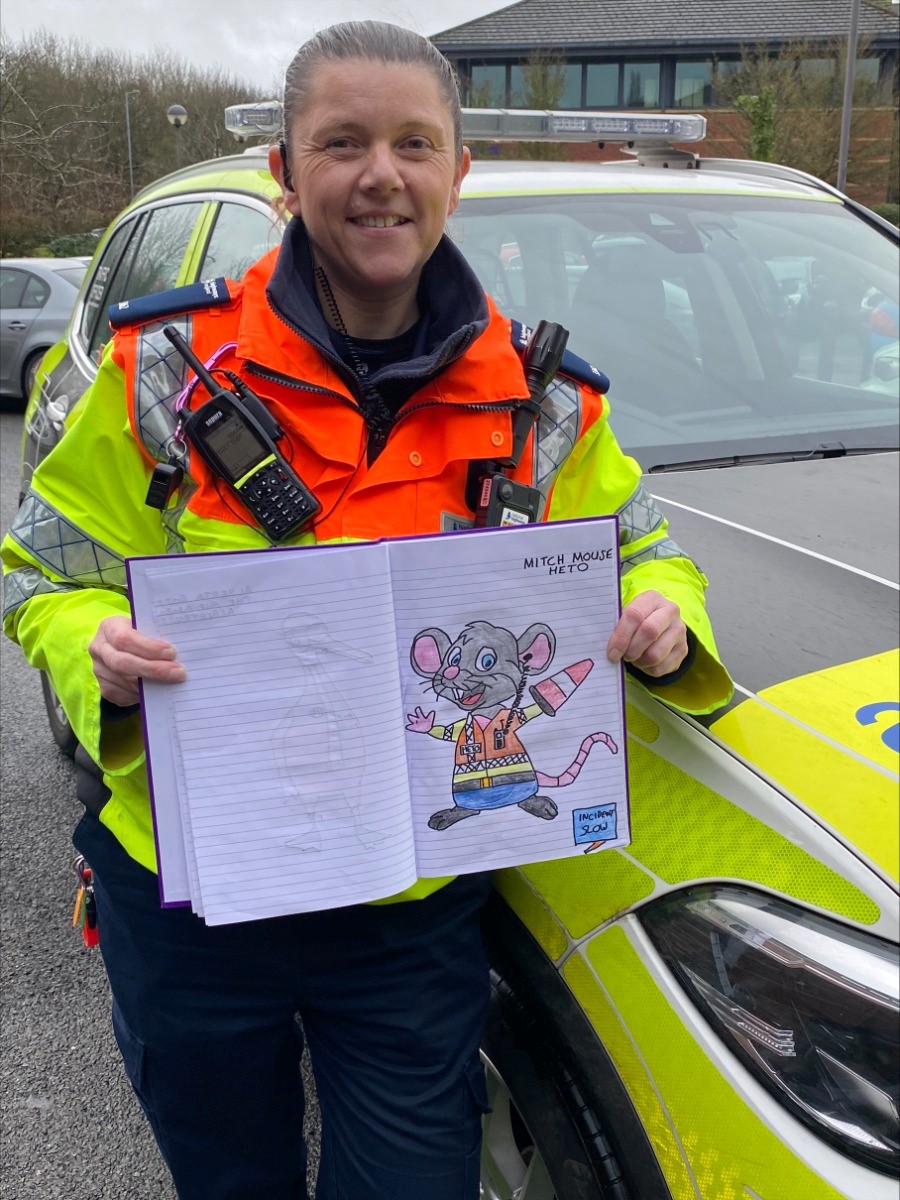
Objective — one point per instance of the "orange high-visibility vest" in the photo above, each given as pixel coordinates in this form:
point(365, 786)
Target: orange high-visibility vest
point(419, 478)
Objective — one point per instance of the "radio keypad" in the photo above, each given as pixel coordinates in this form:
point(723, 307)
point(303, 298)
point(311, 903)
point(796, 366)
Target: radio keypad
point(277, 503)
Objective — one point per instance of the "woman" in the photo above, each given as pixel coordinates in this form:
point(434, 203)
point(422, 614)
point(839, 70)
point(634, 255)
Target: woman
point(369, 339)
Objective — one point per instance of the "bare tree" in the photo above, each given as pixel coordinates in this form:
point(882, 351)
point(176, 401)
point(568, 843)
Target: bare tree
point(64, 146)
point(543, 85)
point(788, 109)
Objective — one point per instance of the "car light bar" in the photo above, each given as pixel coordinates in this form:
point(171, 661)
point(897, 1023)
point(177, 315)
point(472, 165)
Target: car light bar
point(264, 118)
point(527, 125)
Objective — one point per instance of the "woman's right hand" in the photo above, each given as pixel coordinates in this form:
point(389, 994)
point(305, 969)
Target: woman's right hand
point(121, 656)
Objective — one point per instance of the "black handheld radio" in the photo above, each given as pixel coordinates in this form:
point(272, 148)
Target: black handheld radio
point(236, 435)
point(495, 498)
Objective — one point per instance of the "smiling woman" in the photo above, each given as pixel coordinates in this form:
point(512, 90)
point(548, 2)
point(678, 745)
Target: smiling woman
point(373, 194)
point(373, 171)
point(373, 371)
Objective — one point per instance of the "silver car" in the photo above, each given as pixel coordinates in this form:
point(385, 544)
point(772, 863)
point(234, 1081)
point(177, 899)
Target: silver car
point(37, 296)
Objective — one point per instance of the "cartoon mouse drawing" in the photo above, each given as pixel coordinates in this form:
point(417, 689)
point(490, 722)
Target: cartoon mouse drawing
point(484, 673)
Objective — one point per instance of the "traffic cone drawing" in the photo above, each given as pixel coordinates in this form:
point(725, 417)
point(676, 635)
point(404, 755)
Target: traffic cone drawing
point(552, 693)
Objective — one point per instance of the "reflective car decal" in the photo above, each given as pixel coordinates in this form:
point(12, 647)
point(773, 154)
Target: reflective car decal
point(708, 1139)
point(726, 842)
point(842, 766)
point(890, 733)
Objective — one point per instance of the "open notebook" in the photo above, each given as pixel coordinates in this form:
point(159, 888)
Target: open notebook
point(357, 716)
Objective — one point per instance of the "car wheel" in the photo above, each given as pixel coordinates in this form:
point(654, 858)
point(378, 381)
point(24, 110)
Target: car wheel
point(59, 722)
point(29, 371)
point(533, 1147)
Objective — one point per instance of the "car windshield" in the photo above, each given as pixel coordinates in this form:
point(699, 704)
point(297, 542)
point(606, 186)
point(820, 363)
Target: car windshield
point(729, 325)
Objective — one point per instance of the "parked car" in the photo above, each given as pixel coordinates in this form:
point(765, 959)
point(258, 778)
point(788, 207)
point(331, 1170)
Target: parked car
point(712, 1012)
point(37, 296)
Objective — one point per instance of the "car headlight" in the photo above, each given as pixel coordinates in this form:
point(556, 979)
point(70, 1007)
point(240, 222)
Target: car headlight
point(810, 1006)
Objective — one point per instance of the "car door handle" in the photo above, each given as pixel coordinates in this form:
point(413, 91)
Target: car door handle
point(17, 325)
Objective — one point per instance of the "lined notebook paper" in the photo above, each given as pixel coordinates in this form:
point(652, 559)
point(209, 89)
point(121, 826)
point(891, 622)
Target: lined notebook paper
point(358, 716)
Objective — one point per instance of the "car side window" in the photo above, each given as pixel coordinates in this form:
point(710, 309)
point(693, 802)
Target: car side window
point(163, 243)
point(240, 236)
point(37, 292)
point(148, 259)
point(12, 287)
point(101, 281)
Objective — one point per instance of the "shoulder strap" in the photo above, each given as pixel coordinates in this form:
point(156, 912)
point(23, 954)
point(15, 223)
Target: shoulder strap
point(572, 366)
point(206, 293)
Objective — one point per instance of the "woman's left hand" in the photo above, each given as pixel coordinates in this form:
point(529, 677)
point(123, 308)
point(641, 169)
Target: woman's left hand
point(650, 635)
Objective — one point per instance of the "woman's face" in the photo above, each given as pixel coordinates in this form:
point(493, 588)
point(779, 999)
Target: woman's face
point(374, 174)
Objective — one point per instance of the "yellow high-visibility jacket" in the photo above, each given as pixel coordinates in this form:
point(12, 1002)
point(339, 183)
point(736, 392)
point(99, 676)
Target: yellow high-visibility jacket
point(85, 514)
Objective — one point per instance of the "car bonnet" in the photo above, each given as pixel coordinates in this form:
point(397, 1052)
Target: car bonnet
point(802, 561)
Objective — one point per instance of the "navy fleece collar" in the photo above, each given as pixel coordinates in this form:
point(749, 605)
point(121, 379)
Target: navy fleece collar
point(449, 292)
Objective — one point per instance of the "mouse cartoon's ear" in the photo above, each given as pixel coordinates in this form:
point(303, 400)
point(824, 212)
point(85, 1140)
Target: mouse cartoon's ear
point(428, 650)
point(536, 646)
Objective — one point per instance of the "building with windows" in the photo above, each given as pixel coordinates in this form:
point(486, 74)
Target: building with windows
point(658, 54)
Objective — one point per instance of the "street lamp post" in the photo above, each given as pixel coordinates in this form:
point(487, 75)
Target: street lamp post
point(177, 117)
point(128, 139)
point(847, 107)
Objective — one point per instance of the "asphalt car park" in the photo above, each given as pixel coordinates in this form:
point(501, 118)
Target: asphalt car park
point(37, 296)
point(711, 1013)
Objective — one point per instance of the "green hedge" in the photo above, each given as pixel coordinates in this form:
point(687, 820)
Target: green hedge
point(71, 245)
point(890, 212)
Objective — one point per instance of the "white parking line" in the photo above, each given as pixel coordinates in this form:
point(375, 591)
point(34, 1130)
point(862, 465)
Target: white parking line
point(780, 542)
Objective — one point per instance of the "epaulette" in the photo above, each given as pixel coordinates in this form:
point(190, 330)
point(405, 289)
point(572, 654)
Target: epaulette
point(571, 365)
point(205, 293)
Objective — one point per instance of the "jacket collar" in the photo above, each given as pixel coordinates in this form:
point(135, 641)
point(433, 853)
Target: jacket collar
point(450, 294)
point(282, 329)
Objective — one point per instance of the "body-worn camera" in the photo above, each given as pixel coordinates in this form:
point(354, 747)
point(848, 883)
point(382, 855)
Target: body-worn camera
point(497, 499)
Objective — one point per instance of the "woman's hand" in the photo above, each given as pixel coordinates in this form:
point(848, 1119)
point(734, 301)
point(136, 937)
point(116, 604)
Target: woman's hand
point(650, 635)
point(122, 656)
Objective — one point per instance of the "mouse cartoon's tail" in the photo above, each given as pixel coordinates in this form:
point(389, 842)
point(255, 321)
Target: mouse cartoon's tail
point(574, 769)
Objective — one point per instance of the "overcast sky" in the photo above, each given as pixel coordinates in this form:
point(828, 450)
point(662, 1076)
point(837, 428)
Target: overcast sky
point(252, 39)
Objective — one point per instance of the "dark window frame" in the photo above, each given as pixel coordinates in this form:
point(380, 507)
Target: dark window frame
point(668, 65)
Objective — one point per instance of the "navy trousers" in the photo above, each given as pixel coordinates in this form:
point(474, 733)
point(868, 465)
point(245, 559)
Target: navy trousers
point(392, 1000)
